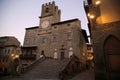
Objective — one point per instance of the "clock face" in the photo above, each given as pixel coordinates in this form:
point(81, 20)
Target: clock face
point(45, 24)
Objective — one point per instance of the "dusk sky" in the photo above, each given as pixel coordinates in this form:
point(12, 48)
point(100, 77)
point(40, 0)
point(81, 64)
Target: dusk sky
point(16, 15)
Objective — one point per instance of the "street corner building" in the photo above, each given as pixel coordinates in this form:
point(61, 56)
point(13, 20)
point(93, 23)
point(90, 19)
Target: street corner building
point(54, 38)
point(104, 25)
point(9, 54)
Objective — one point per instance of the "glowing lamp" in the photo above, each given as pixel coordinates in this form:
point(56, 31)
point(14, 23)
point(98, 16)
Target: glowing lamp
point(88, 14)
point(12, 55)
point(92, 16)
point(97, 2)
point(16, 56)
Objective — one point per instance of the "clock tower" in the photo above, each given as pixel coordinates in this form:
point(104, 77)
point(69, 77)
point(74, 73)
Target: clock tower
point(49, 14)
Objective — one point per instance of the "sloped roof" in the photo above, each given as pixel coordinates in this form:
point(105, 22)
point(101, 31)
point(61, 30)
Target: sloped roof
point(9, 41)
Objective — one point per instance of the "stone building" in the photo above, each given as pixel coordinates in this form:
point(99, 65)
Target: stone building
point(9, 54)
point(90, 58)
point(54, 38)
point(104, 25)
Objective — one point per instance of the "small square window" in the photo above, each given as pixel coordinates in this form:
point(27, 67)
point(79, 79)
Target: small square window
point(68, 24)
point(47, 10)
point(36, 30)
point(43, 40)
point(27, 40)
point(55, 37)
point(55, 27)
point(34, 41)
point(69, 35)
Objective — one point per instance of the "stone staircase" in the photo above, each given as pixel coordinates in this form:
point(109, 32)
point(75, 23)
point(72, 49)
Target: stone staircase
point(48, 69)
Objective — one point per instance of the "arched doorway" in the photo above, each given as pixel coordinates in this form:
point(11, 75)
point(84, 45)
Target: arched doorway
point(70, 52)
point(42, 54)
point(55, 54)
point(62, 55)
point(112, 55)
point(62, 52)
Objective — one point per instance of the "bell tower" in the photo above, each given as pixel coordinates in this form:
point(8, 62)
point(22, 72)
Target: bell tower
point(49, 14)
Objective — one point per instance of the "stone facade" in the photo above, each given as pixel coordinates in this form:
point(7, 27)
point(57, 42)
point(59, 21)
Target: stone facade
point(9, 53)
point(53, 38)
point(105, 35)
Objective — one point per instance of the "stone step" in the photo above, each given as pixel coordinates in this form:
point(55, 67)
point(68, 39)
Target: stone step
point(48, 69)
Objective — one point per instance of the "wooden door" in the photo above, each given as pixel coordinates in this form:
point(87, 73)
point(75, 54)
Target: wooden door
point(62, 55)
point(112, 55)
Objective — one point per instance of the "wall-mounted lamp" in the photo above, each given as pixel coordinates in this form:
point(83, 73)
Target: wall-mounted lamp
point(91, 16)
point(12, 55)
point(16, 56)
point(97, 2)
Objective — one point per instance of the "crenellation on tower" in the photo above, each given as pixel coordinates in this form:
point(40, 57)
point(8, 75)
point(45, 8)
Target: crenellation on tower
point(53, 2)
point(56, 7)
point(49, 3)
point(51, 11)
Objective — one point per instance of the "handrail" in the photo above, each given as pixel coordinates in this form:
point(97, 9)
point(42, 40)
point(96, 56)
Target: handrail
point(27, 68)
point(71, 67)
